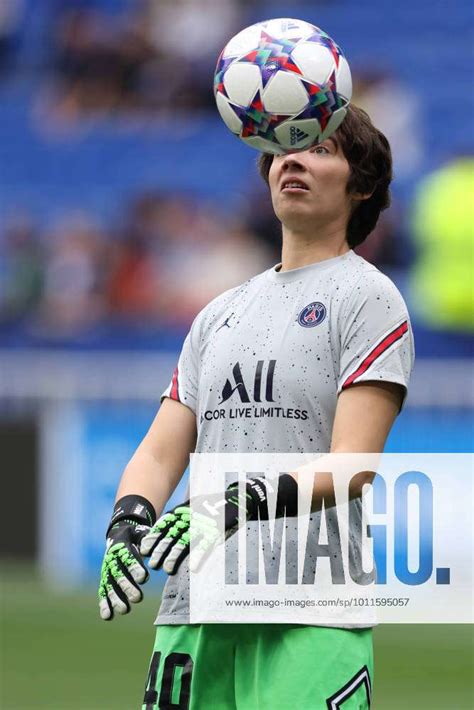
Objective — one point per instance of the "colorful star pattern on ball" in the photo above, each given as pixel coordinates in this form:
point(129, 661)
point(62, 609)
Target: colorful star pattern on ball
point(323, 101)
point(271, 55)
point(256, 121)
point(221, 69)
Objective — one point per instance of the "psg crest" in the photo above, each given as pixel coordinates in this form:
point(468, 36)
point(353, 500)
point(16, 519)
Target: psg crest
point(312, 314)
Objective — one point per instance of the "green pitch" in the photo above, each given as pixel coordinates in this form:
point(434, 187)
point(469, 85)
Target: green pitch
point(56, 654)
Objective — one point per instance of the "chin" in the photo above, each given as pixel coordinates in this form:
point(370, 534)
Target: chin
point(294, 215)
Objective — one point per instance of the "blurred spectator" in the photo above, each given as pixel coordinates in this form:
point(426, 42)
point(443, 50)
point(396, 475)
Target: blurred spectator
point(22, 268)
point(171, 257)
point(395, 109)
point(192, 29)
point(203, 259)
point(73, 298)
point(443, 226)
point(188, 36)
point(133, 285)
point(152, 59)
point(98, 62)
point(179, 254)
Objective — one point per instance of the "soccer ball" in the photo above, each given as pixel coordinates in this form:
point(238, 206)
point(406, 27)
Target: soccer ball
point(282, 85)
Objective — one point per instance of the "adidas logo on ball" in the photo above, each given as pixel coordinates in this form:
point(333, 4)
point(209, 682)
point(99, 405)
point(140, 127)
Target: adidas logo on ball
point(296, 135)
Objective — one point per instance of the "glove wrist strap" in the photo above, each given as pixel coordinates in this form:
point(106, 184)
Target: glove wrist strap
point(286, 501)
point(135, 508)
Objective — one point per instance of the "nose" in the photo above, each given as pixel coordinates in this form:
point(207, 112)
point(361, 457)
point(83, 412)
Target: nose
point(292, 161)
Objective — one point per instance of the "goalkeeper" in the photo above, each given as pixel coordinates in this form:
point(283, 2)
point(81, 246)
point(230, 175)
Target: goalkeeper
point(317, 352)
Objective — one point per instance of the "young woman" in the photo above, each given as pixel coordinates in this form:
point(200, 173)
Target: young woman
point(322, 343)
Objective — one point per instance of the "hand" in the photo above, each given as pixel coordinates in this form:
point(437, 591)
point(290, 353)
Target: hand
point(123, 569)
point(168, 542)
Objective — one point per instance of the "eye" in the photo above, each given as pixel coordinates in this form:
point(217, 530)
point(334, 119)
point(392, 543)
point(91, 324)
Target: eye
point(320, 150)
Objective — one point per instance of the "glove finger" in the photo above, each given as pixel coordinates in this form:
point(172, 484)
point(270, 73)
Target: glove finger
point(203, 548)
point(117, 598)
point(139, 572)
point(175, 557)
point(105, 609)
point(132, 592)
point(179, 517)
point(207, 537)
point(129, 576)
point(153, 538)
point(129, 561)
point(160, 552)
point(136, 568)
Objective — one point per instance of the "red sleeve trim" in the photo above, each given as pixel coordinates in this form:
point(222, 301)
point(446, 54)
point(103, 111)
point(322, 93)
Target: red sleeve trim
point(174, 393)
point(379, 349)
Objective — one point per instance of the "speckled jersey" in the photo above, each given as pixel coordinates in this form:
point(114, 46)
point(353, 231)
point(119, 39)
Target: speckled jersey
point(263, 364)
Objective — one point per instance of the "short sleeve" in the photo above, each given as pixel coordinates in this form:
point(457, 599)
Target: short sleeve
point(376, 335)
point(184, 381)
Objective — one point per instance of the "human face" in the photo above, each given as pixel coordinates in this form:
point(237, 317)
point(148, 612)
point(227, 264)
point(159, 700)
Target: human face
point(318, 198)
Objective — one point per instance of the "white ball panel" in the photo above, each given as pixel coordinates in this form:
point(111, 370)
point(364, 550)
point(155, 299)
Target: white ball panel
point(228, 115)
point(315, 61)
point(243, 42)
point(263, 145)
point(242, 81)
point(343, 79)
point(287, 28)
point(333, 123)
point(285, 94)
point(298, 135)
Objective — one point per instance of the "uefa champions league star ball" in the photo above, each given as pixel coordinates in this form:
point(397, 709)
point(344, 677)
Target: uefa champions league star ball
point(282, 85)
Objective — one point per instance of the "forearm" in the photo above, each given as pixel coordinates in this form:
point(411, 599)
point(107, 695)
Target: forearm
point(324, 483)
point(147, 476)
point(159, 462)
point(364, 416)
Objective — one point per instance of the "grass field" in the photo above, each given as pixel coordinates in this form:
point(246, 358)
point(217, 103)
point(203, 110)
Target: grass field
point(57, 655)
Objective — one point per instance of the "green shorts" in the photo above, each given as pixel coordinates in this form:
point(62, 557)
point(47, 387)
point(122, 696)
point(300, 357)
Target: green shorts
point(259, 667)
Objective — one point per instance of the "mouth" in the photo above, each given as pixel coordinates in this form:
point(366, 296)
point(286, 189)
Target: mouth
point(294, 185)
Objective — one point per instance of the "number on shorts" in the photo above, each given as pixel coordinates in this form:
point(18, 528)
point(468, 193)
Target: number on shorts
point(151, 695)
point(172, 662)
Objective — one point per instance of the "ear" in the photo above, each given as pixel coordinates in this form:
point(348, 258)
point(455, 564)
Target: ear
point(360, 196)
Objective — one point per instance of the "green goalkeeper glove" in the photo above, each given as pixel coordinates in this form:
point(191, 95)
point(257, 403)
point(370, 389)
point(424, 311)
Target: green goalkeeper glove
point(168, 542)
point(123, 569)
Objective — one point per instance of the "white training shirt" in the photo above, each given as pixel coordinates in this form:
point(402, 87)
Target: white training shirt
point(263, 364)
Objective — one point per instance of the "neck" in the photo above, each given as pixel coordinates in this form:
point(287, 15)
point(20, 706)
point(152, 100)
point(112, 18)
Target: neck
point(301, 248)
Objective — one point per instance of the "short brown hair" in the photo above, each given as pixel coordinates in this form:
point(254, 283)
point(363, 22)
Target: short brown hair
point(368, 153)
